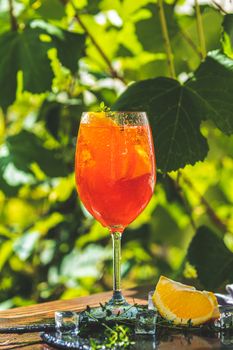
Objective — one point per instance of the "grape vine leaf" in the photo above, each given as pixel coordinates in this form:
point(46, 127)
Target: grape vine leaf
point(26, 51)
point(174, 117)
point(212, 259)
point(176, 110)
point(213, 85)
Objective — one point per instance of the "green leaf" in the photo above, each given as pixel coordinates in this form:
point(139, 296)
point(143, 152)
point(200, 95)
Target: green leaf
point(92, 7)
point(25, 244)
point(8, 68)
point(145, 27)
point(227, 35)
point(26, 148)
point(10, 191)
point(4, 20)
point(123, 52)
point(22, 150)
point(5, 252)
point(70, 49)
point(51, 9)
point(69, 45)
point(26, 51)
point(61, 118)
point(163, 222)
point(85, 262)
point(50, 112)
point(211, 258)
point(183, 36)
point(213, 86)
point(174, 116)
point(176, 111)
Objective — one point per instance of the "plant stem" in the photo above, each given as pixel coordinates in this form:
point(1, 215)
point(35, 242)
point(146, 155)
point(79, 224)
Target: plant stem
point(14, 24)
point(167, 44)
point(184, 200)
point(97, 320)
point(191, 43)
point(220, 7)
point(200, 30)
point(209, 210)
point(112, 71)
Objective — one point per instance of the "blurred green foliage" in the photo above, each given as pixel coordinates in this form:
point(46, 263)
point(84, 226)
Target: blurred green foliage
point(60, 58)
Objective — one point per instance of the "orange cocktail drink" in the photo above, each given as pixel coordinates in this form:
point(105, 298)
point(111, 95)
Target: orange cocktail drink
point(115, 169)
point(115, 177)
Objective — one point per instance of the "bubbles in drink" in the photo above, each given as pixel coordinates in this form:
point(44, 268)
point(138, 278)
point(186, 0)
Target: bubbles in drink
point(116, 175)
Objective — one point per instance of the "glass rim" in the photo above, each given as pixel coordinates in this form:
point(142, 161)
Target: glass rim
point(119, 112)
point(122, 117)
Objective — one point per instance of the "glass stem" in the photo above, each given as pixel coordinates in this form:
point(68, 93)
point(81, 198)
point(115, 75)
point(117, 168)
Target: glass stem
point(117, 296)
point(116, 244)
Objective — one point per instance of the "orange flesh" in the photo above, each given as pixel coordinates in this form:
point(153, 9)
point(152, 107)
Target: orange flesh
point(115, 170)
point(182, 303)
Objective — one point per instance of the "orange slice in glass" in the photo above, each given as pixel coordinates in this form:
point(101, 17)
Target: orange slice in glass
point(183, 304)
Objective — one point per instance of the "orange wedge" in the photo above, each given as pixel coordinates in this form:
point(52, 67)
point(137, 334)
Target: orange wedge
point(183, 304)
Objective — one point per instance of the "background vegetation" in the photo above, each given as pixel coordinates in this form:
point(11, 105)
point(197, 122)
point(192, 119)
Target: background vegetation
point(59, 58)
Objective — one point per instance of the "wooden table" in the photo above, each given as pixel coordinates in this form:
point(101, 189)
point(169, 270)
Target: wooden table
point(34, 313)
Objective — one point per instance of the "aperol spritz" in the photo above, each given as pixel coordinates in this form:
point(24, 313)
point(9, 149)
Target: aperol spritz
point(115, 173)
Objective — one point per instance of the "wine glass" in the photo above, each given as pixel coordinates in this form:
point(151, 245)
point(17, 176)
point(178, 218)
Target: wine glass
point(115, 175)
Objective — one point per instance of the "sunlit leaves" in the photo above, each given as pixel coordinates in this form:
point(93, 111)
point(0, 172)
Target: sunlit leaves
point(28, 51)
point(5, 252)
point(25, 148)
point(61, 117)
point(49, 9)
point(21, 151)
point(213, 85)
point(25, 245)
point(8, 69)
point(92, 6)
point(106, 36)
point(124, 8)
point(145, 27)
point(211, 258)
point(227, 35)
point(4, 21)
point(85, 263)
point(182, 34)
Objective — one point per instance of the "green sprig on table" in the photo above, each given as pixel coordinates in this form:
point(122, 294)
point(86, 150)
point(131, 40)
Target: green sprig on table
point(117, 337)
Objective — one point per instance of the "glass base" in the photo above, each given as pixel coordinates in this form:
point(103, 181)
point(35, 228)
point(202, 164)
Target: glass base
point(97, 314)
point(117, 300)
point(116, 309)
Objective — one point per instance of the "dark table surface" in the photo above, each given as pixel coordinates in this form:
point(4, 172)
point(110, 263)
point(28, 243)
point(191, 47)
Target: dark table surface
point(166, 340)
